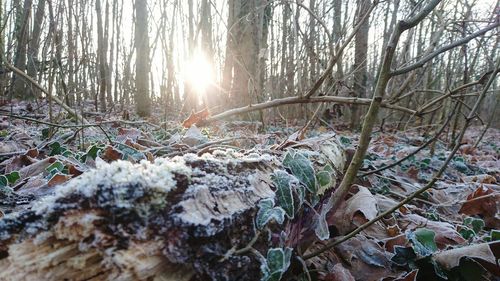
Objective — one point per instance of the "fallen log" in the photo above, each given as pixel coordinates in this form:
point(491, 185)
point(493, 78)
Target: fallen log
point(175, 219)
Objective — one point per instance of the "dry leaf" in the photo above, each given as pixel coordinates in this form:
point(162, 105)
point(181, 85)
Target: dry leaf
point(196, 118)
point(484, 253)
point(339, 273)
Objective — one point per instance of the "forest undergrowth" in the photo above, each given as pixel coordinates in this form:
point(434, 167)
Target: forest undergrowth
point(451, 231)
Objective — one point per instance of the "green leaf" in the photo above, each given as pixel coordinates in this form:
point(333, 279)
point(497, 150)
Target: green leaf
point(277, 263)
point(321, 230)
point(324, 178)
point(3, 181)
point(93, 150)
point(423, 241)
point(495, 235)
point(56, 149)
point(460, 166)
point(474, 223)
point(284, 194)
point(68, 153)
point(301, 167)
point(57, 166)
point(345, 141)
point(432, 216)
point(403, 255)
point(13, 177)
point(268, 212)
point(328, 168)
point(467, 233)
point(45, 133)
point(130, 152)
point(424, 163)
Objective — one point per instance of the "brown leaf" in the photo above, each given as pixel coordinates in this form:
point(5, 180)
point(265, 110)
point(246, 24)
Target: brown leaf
point(36, 168)
point(483, 201)
point(58, 179)
point(488, 179)
point(445, 232)
point(135, 145)
point(400, 240)
point(339, 273)
point(111, 154)
point(366, 259)
point(195, 118)
point(358, 209)
point(74, 170)
point(17, 162)
point(124, 133)
point(33, 153)
point(484, 253)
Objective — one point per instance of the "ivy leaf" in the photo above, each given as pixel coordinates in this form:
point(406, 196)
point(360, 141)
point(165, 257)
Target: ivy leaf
point(495, 235)
point(56, 149)
point(301, 167)
point(321, 230)
point(93, 150)
point(460, 166)
point(3, 181)
point(277, 263)
point(128, 151)
point(12, 177)
point(345, 141)
point(424, 163)
point(467, 233)
point(474, 223)
point(324, 178)
point(284, 194)
point(57, 166)
point(403, 255)
point(423, 241)
point(267, 212)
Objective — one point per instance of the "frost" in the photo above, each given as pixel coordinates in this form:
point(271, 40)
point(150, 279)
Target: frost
point(158, 176)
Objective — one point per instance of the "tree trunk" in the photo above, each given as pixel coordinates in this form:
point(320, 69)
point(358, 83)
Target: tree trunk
point(102, 57)
point(142, 65)
point(21, 30)
point(360, 57)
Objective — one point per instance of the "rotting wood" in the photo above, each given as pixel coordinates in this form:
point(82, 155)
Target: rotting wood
point(174, 219)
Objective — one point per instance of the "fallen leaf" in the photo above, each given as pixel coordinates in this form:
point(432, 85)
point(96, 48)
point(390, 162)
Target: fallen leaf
point(111, 154)
point(366, 259)
point(58, 179)
point(194, 136)
point(480, 202)
point(485, 253)
point(446, 233)
point(339, 273)
point(196, 118)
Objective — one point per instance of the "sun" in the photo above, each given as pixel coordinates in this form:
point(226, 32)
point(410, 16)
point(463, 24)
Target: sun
point(199, 73)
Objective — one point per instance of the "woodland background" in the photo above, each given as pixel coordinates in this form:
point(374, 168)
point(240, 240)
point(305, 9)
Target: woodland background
point(249, 139)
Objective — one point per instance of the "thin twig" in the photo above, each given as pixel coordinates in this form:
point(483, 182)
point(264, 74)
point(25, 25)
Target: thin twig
point(427, 143)
point(429, 185)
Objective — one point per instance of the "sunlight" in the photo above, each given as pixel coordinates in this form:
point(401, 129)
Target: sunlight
point(199, 74)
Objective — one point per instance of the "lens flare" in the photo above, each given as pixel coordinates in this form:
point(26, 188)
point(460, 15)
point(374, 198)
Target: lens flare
point(199, 73)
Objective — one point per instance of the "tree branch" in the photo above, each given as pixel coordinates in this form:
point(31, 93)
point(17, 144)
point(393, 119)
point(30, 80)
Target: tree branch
point(41, 88)
point(298, 100)
point(421, 190)
point(340, 50)
point(371, 116)
point(443, 49)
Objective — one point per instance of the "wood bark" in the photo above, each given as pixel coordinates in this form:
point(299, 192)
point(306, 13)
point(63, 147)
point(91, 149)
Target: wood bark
point(102, 57)
point(175, 219)
point(142, 64)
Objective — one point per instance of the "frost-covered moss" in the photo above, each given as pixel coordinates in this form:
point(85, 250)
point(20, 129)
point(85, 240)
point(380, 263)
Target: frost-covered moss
point(157, 176)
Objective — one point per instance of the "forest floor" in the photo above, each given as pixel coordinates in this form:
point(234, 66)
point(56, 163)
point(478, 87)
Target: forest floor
point(448, 230)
